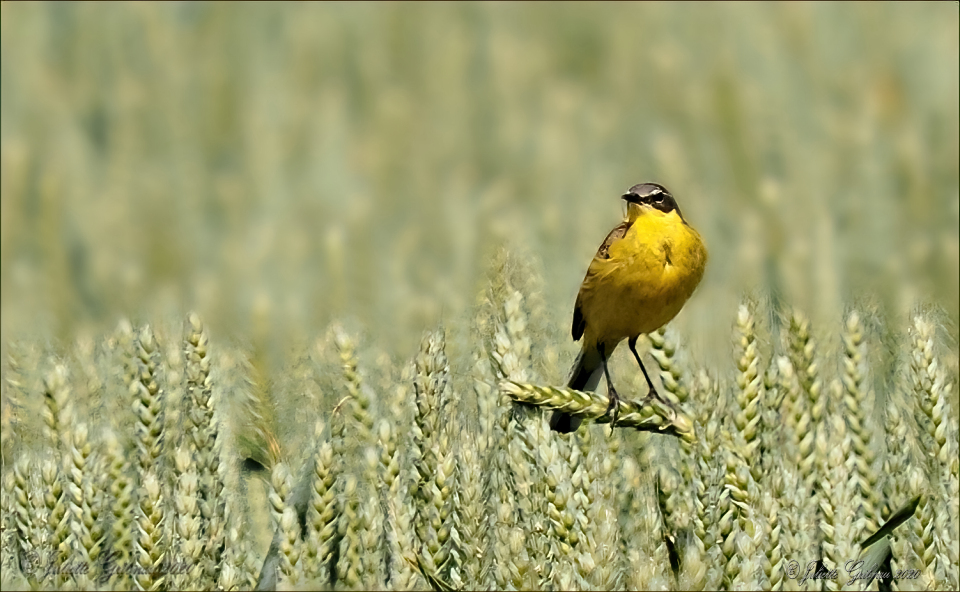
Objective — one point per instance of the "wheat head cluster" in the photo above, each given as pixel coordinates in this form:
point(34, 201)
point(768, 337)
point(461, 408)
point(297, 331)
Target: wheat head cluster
point(127, 465)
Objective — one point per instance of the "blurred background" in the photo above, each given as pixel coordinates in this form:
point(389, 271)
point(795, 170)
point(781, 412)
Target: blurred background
point(277, 166)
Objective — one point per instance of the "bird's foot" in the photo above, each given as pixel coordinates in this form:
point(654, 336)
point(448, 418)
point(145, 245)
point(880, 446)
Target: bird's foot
point(652, 394)
point(613, 410)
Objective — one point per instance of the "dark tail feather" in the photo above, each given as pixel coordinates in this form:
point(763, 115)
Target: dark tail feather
point(585, 376)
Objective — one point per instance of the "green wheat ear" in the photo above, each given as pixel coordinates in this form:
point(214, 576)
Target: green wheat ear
point(188, 526)
point(122, 509)
point(750, 391)
point(206, 442)
point(651, 415)
point(360, 402)
point(400, 509)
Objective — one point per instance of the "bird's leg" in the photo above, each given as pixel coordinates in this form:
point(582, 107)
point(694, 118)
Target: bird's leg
point(633, 348)
point(614, 406)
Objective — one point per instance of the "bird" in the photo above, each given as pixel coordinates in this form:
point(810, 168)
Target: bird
point(642, 275)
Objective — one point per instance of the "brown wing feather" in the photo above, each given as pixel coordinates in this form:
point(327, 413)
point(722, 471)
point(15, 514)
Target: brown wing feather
point(616, 234)
point(579, 323)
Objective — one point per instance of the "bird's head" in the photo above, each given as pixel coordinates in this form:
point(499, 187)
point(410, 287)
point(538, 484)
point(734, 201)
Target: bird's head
point(645, 198)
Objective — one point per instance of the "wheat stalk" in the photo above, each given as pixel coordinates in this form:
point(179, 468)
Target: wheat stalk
point(650, 416)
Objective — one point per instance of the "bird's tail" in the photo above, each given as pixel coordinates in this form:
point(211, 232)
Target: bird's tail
point(585, 376)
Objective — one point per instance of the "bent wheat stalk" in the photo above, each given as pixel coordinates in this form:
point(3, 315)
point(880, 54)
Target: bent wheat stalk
point(649, 415)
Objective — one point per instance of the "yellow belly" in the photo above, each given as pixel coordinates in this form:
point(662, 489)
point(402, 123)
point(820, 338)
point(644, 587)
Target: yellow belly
point(650, 274)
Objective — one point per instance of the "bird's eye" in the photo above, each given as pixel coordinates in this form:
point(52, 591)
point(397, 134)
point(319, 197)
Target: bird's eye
point(657, 197)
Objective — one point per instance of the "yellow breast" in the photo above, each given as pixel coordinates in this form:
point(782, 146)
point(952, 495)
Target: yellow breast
point(649, 275)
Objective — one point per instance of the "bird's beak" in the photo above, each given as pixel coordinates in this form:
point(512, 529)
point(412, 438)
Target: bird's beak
point(631, 198)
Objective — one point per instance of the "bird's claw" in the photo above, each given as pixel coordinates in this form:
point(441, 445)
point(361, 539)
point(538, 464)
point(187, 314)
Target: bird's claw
point(652, 394)
point(613, 410)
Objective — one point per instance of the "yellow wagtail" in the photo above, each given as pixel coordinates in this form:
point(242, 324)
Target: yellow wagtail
point(641, 276)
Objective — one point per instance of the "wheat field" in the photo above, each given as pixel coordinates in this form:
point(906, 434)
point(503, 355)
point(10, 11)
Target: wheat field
point(286, 292)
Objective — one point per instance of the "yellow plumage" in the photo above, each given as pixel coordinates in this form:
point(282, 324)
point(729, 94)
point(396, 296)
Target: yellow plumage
point(649, 275)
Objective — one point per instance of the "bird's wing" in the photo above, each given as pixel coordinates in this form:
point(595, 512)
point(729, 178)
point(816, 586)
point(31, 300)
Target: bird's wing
point(603, 253)
point(616, 234)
